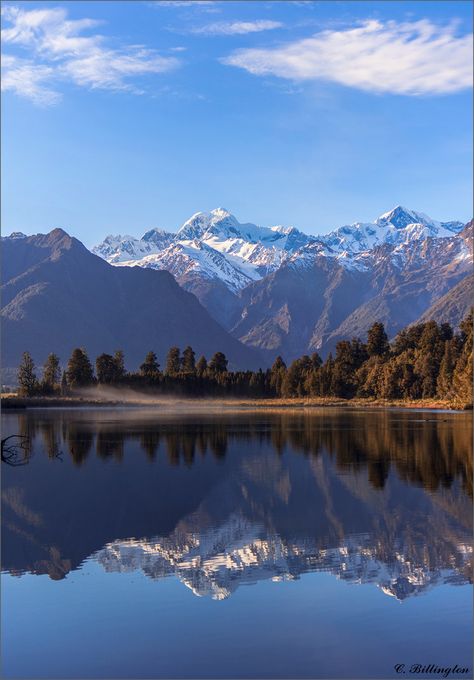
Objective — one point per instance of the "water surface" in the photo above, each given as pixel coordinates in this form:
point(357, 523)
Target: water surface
point(292, 544)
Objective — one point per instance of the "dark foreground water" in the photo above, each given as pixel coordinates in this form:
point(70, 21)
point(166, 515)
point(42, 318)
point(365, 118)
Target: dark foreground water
point(321, 544)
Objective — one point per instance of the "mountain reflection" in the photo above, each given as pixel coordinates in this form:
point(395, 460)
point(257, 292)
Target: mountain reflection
point(230, 499)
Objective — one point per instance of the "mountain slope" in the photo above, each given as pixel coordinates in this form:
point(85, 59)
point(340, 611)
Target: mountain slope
point(57, 296)
point(454, 306)
point(313, 300)
point(407, 280)
point(286, 310)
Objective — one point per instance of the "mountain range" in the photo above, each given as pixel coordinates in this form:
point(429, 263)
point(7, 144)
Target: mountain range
point(282, 291)
point(261, 291)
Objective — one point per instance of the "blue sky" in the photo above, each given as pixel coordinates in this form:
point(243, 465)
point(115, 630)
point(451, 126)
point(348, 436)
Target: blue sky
point(123, 116)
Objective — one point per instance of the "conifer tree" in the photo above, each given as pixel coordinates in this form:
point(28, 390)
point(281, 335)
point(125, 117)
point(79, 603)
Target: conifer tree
point(201, 366)
point(27, 379)
point(218, 363)
point(291, 380)
point(150, 367)
point(173, 361)
point(407, 338)
point(446, 331)
point(377, 340)
point(430, 352)
point(188, 362)
point(51, 374)
point(295, 379)
point(277, 376)
point(325, 376)
point(316, 360)
point(79, 369)
point(106, 369)
point(119, 358)
point(349, 358)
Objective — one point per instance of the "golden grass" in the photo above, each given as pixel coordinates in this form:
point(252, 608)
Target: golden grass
point(11, 400)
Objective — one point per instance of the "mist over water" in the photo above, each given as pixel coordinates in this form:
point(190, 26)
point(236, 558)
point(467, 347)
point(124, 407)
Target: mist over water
point(131, 397)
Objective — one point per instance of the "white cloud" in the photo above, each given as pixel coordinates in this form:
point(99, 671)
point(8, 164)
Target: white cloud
point(416, 58)
point(237, 27)
point(27, 79)
point(58, 51)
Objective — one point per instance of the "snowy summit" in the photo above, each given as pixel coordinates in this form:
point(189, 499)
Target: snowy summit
point(215, 245)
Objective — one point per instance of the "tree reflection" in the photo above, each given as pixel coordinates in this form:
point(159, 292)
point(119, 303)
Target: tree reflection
point(426, 451)
point(110, 443)
point(79, 441)
point(150, 441)
point(326, 490)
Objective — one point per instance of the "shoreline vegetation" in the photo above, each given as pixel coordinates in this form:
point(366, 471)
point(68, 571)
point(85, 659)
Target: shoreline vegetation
point(13, 401)
point(427, 365)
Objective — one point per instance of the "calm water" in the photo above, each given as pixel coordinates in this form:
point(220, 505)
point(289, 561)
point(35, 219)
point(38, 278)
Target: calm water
point(322, 544)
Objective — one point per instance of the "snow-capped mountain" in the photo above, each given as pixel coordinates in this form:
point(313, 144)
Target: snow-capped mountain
point(283, 291)
point(397, 227)
point(120, 249)
point(216, 246)
point(213, 245)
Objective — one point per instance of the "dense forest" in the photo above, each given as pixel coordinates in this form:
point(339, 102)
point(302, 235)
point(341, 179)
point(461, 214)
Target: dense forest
point(424, 361)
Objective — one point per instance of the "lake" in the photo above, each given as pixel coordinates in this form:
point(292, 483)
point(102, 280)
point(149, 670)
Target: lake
point(319, 543)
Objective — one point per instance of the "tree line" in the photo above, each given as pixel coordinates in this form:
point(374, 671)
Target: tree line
point(424, 361)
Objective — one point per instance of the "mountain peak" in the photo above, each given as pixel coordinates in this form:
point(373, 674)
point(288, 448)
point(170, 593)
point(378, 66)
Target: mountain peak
point(57, 239)
point(17, 234)
point(158, 237)
point(400, 217)
point(221, 213)
point(201, 222)
point(57, 234)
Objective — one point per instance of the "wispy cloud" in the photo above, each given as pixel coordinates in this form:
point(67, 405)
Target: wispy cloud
point(237, 27)
point(27, 79)
point(418, 58)
point(57, 51)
